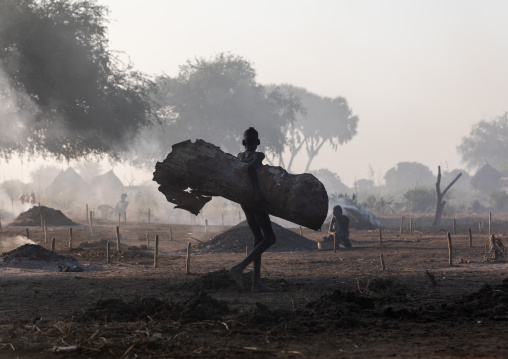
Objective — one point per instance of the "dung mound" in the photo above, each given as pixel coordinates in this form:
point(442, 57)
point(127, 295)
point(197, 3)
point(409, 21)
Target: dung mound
point(240, 236)
point(489, 301)
point(33, 256)
point(197, 308)
point(32, 217)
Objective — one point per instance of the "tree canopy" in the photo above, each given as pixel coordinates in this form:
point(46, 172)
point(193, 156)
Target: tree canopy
point(325, 120)
point(487, 142)
point(408, 175)
point(62, 92)
point(216, 100)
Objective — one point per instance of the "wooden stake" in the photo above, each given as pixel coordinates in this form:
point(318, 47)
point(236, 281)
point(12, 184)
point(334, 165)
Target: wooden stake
point(27, 234)
point(480, 227)
point(490, 223)
point(156, 253)
point(380, 237)
point(170, 234)
point(148, 215)
point(410, 225)
point(91, 223)
point(53, 244)
point(382, 261)
point(470, 237)
point(187, 262)
point(125, 217)
point(401, 223)
point(87, 213)
point(206, 226)
point(450, 261)
point(70, 238)
point(301, 232)
point(45, 233)
point(147, 241)
point(454, 226)
point(118, 238)
point(107, 252)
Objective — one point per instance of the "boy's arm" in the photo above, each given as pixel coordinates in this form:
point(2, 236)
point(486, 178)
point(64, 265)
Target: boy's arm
point(331, 229)
point(253, 176)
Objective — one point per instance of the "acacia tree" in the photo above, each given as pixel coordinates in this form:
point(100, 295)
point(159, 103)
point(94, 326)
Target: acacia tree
point(487, 142)
point(62, 93)
point(325, 120)
point(216, 100)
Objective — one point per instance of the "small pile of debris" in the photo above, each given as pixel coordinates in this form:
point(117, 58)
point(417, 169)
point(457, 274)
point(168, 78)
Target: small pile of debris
point(33, 256)
point(240, 236)
point(494, 249)
point(197, 308)
point(32, 217)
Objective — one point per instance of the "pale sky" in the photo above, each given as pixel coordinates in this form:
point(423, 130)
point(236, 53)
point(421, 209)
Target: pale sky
point(418, 74)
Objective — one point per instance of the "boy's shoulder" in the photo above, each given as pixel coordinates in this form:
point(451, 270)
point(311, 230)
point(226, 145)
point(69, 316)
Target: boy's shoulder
point(248, 156)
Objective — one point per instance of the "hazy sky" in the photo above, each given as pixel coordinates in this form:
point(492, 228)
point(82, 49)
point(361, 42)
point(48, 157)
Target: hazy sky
point(417, 73)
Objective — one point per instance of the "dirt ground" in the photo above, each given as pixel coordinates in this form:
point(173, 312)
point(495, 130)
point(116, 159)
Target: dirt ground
point(327, 305)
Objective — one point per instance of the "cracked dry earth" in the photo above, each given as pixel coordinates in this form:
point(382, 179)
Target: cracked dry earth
point(327, 305)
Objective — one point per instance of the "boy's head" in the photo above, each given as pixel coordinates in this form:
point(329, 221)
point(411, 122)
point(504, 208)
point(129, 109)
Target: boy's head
point(250, 138)
point(337, 211)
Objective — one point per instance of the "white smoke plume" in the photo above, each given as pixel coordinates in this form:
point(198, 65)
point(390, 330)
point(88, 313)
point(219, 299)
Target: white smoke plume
point(355, 213)
point(8, 244)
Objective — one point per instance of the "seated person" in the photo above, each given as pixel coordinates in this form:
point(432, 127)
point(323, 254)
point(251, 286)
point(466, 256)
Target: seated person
point(339, 228)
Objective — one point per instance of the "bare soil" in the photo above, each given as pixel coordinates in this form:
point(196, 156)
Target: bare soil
point(327, 305)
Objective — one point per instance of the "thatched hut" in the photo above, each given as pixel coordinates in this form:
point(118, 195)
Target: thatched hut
point(487, 179)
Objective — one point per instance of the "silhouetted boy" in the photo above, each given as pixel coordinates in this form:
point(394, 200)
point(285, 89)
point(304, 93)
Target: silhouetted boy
point(259, 222)
point(339, 227)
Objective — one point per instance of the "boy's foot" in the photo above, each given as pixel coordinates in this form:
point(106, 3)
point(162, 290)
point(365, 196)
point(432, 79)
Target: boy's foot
point(237, 276)
point(260, 287)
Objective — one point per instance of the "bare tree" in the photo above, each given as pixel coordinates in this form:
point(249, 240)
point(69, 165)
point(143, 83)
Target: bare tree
point(440, 203)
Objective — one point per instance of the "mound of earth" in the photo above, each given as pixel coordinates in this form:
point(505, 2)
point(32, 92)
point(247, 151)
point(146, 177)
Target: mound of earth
point(489, 301)
point(52, 217)
point(33, 256)
point(240, 236)
point(197, 308)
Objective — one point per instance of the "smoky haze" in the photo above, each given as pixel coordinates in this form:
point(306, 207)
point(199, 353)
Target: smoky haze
point(407, 89)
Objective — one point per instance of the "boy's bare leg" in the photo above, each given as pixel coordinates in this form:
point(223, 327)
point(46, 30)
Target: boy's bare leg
point(257, 285)
point(259, 223)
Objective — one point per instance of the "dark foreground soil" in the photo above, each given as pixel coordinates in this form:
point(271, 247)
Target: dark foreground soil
point(327, 305)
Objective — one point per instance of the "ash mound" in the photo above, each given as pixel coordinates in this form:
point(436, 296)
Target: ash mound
point(33, 256)
point(238, 237)
point(32, 217)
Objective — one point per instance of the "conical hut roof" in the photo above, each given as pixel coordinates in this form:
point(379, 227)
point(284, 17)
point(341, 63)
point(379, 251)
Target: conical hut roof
point(107, 187)
point(68, 179)
point(108, 179)
point(487, 179)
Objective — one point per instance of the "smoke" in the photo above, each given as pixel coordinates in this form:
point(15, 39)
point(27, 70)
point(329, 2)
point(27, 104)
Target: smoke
point(358, 215)
point(8, 244)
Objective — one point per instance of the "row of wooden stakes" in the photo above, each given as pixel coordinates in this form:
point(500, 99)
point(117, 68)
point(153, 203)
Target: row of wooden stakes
point(108, 246)
point(480, 225)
